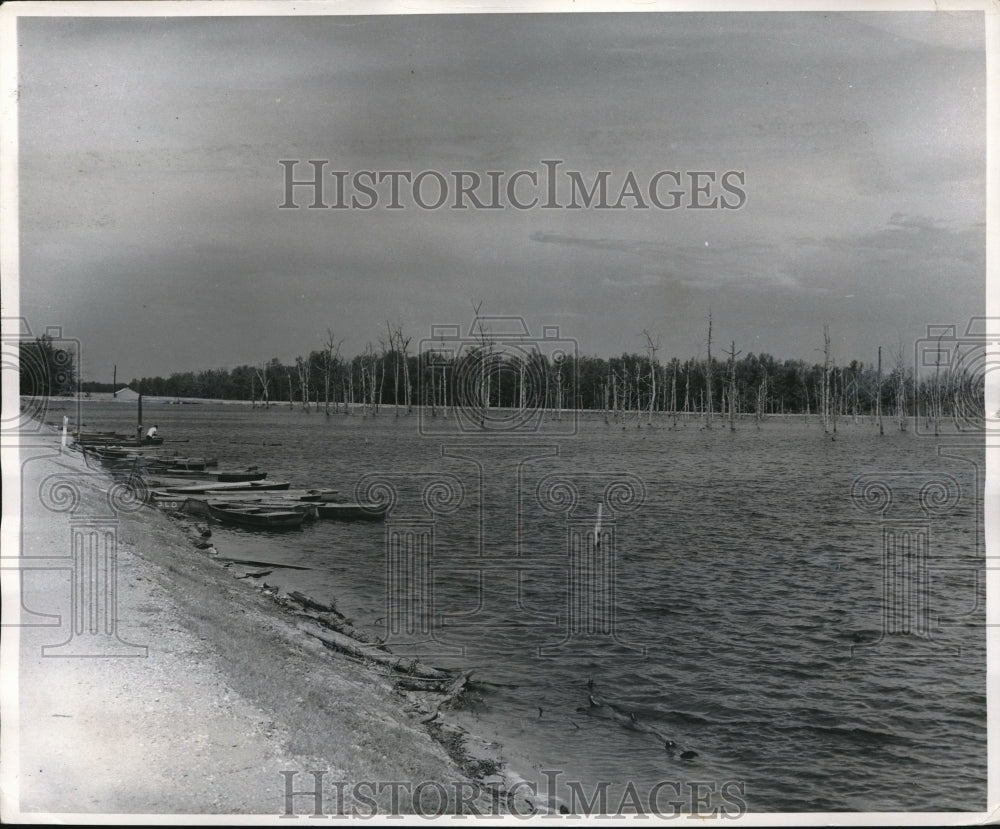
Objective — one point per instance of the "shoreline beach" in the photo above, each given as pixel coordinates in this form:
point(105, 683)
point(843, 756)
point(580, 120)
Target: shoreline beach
point(230, 704)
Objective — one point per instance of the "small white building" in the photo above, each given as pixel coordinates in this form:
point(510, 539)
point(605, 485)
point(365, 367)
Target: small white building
point(127, 394)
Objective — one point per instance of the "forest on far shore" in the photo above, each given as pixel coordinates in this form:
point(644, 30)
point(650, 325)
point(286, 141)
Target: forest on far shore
point(487, 371)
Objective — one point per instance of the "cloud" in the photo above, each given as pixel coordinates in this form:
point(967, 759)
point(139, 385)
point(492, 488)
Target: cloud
point(149, 171)
point(746, 265)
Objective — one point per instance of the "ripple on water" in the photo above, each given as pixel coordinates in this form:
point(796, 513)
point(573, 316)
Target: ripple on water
point(748, 576)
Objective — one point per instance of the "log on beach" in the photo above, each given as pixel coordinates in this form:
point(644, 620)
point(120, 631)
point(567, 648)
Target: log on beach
point(353, 647)
point(273, 565)
point(312, 604)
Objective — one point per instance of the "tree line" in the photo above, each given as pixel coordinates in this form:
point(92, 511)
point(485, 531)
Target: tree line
point(488, 372)
point(47, 367)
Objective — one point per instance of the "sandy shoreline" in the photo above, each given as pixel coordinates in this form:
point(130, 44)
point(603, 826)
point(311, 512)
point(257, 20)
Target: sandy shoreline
point(231, 705)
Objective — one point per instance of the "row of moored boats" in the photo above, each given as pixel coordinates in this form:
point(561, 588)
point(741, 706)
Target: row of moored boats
point(238, 496)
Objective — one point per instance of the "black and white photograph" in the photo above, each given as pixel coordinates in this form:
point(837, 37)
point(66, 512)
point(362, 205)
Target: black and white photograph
point(478, 413)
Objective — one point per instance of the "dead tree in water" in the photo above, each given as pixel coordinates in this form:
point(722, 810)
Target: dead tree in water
point(900, 372)
point(262, 378)
point(331, 356)
point(805, 392)
point(936, 407)
point(302, 367)
point(613, 384)
point(761, 399)
point(687, 388)
point(428, 357)
point(558, 369)
point(673, 393)
point(826, 379)
point(652, 348)
point(369, 381)
point(733, 354)
point(395, 366)
point(878, 393)
point(836, 394)
point(485, 356)
point(364, 381)
point(708, 377)
point(403, 344)
point(383, 359)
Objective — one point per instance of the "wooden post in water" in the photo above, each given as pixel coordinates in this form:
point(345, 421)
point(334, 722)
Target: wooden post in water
point(139, 427)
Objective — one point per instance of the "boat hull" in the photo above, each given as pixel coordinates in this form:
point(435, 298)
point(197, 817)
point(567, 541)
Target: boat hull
point(257, 517)
point(215, 486)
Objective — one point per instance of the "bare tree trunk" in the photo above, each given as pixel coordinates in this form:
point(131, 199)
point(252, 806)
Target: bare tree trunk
point(687, 388)
point(446, 396)
point(878, 393)
point(262, 377)
point(708, 377)
point(673, 394)
point(733, 354)
point(652, 348)
point(826, 373)
point(403, 343)
point(761, 399)
point(835, 396)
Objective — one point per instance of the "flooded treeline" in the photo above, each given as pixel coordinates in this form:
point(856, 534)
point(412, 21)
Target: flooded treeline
point(519, 375)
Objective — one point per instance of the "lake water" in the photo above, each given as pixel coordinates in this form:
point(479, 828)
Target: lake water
point(734, 607)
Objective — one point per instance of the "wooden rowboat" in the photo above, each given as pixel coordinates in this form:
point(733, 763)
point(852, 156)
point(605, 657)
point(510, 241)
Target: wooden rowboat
point(215, 486)
point(257, 517)
point(238, 476)
point(168, 501)
point(229, 476)
point(264, 501)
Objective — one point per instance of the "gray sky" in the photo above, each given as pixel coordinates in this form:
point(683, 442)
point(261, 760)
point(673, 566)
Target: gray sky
point(150, 181)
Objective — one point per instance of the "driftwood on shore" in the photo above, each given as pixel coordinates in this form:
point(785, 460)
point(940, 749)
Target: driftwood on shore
point(273, 565)
point(312, 604)
point(373, 653)
point(328, 616)
point(451, 692)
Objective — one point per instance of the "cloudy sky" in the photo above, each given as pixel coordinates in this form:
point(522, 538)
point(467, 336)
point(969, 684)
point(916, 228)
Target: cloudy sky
point(150, 180)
